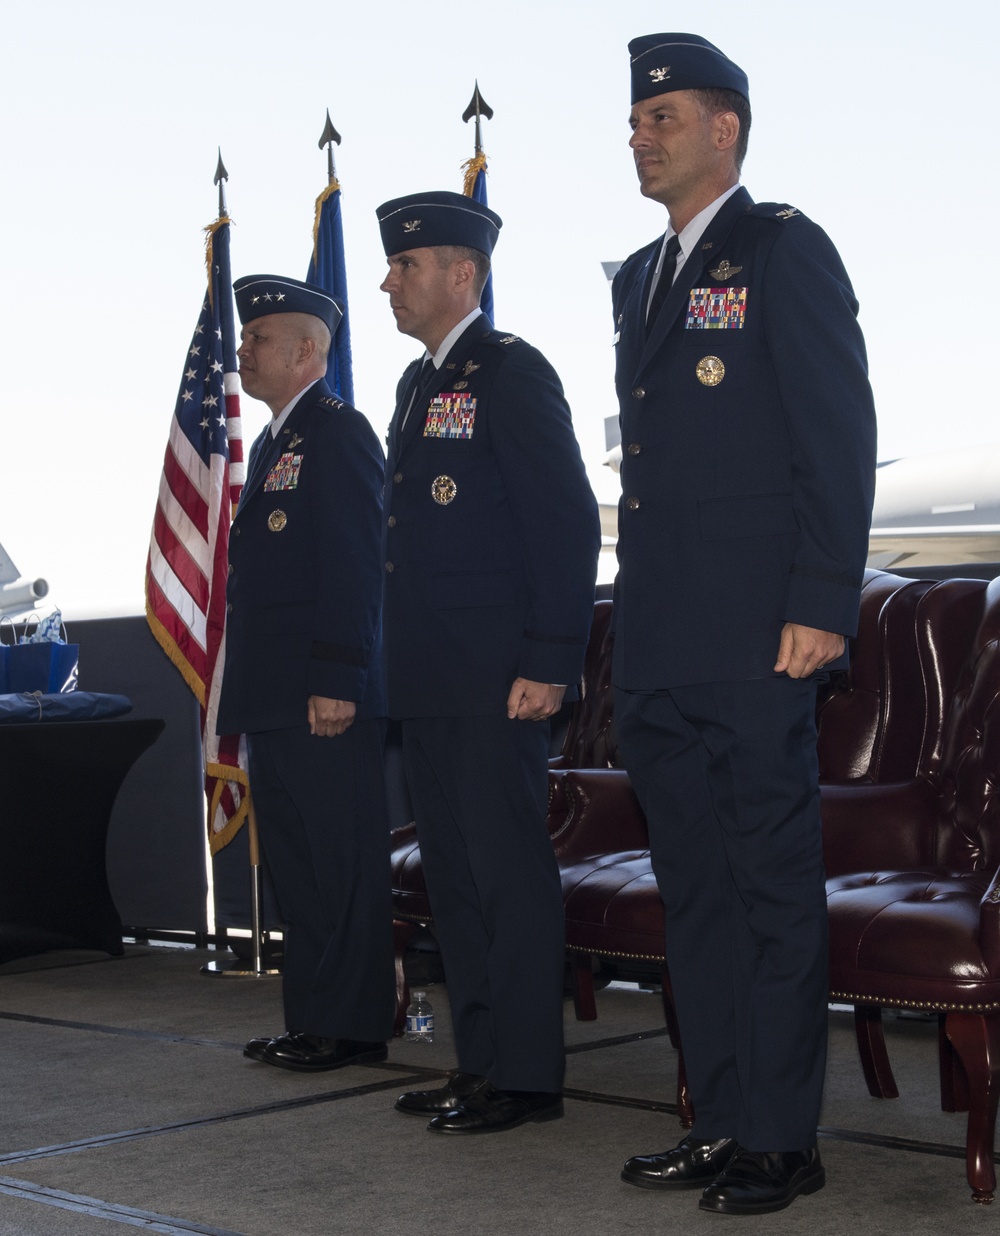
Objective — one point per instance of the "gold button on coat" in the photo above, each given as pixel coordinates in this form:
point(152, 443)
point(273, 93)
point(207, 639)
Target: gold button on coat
point(639, 393)
point(632, 504)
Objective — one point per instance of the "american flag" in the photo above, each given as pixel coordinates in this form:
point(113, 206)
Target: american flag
point(187, 566)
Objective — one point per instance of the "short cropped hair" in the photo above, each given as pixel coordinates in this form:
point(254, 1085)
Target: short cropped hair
point(462, 253)
point(712, 101)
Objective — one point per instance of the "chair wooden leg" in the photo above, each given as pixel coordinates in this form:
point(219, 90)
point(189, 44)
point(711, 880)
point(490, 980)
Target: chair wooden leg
point(581, 968)
point(685, 1108)
point(871, 1048)
point(954, 1084)
point(976, 1039)
point(402, 933)
point(669, 1012)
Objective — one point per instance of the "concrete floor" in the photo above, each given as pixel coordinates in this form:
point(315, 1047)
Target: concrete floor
point(126, 1102)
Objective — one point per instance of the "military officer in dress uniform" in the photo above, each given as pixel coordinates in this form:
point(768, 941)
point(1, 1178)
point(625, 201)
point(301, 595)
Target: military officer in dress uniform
point(490, 556)
point(748, 440)
point(303, 680)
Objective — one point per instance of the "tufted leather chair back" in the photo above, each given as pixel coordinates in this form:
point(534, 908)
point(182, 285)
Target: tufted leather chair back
point(962, 758)
point(590, 741)
point(871, 719)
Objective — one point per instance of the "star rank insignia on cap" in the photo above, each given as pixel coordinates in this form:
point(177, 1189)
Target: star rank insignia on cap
point(724, 270)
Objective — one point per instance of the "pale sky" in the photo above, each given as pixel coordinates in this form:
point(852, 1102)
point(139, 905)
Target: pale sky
point(874, 118)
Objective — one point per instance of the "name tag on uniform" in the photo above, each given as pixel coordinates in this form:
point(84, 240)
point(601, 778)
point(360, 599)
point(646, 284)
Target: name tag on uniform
point(716, 309)
point(284, 474)
point(452, 414)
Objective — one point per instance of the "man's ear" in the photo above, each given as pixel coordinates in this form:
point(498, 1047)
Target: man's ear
point(727, 130)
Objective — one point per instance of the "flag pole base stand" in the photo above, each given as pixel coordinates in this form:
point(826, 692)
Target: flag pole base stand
point(256, 965)
point(237, 968)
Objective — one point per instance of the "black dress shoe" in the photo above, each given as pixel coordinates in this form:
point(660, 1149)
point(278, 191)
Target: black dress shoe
point(488, 1110)
point(256, 1047)
point(308, 1053)
point(691, 1164)
point(445, 1099)
point(757, 1182)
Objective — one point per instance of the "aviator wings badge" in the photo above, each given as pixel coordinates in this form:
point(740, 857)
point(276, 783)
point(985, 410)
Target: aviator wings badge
point(724, 270)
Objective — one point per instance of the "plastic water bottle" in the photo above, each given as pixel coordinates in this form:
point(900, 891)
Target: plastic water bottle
point(420, 1019)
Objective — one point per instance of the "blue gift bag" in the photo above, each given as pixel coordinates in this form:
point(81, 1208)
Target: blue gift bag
point(43, 661)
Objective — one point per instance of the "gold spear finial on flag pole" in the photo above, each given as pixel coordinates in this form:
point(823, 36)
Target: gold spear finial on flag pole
point(479, 108)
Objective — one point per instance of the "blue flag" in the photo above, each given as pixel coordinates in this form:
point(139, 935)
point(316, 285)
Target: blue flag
point(475, 187)
point(328, 271)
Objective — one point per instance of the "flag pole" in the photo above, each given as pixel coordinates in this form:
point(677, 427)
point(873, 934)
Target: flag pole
point(474, 184)
point(256, 965)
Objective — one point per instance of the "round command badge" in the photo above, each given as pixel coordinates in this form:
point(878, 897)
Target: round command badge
point(277, 520)
point(710, 371)
point(443, 490)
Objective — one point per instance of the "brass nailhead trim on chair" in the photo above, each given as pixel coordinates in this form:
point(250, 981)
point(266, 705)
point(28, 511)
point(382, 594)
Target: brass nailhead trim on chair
point(852, 997)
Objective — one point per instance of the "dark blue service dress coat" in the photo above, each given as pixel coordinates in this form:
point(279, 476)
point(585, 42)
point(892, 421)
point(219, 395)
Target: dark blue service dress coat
point(490, 550)
point(748, 450)
point(748, 447)
point(304, 601)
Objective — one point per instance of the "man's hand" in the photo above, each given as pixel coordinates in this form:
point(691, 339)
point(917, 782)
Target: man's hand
point(327, 717)
point(533, 701)
point(804, 649)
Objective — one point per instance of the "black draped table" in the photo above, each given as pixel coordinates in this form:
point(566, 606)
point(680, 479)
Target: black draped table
point(58, 783)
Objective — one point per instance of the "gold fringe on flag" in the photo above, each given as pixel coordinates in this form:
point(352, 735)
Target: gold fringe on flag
point(226, 772)
point(332, 188)
point(209, 235)
point(472, 167)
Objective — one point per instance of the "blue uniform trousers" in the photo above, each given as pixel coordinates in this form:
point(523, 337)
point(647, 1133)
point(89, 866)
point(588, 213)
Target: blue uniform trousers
point(324, 835)
point(479, 790)
point(726, 774)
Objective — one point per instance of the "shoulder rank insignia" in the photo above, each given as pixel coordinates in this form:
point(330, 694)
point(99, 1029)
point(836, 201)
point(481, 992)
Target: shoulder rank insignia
point(509, 339)
point(724, 270)
point(469, 367)
point(787, 213)
point(332, 403)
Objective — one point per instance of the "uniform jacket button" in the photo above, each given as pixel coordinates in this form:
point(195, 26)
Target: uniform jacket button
point(634, 448)
point(231, 568)
point(632, 504)
point(236, 531)
point(392, 521)
point(390, 567)
point(639, 392)
point(229, 608)
point(397, 477)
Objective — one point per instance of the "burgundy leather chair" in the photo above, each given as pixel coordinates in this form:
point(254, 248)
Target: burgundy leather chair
point(914, 872)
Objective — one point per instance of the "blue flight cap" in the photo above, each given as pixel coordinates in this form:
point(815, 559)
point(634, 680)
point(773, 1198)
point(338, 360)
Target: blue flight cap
point(259, 295)
point(662, 63)
point(425, 220)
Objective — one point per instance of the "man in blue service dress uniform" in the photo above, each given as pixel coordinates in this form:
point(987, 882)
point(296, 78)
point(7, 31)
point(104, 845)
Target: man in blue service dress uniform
point(490, 554)
point(303, 680)
point(748, 446)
